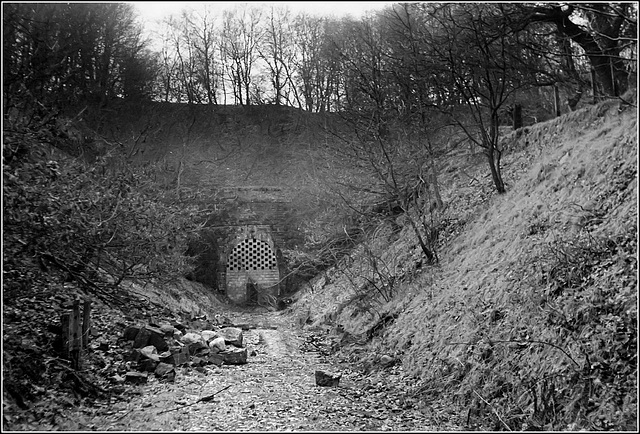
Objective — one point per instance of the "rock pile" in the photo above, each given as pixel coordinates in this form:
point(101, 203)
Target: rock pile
point(158, 349)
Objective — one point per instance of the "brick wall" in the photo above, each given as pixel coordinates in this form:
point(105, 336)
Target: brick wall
point(251, 225)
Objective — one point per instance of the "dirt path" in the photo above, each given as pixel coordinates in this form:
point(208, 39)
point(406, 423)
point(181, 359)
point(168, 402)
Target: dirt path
point(274, 391)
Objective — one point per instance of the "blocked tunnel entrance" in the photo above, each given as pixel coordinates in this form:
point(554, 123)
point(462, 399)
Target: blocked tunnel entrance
point(252, 273)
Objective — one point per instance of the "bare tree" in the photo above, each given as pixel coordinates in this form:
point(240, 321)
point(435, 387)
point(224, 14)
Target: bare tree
point(606, 32)
point(241, 38)
point(203, 38)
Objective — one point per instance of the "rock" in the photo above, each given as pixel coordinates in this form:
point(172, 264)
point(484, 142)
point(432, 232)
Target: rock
point(208, 335)
point(136, 377)
point(150, 352)
point(168, 329)
point(202, 352)
point(176, 356)
point(232, 335)
point(327, 379)
point(165, 371)
point(177, 335)
point(148, 365)
point(133, 355)
point(218, 343)
point(253, 353)
point(387, 360)
point(156, 338)
point(234, 356)
point(197, 361)
point(196, 347)
point(181, 356)
point(192, 338)
point(117, 379)
point(179, 326)
point(130, 333)
point(142, 338)
point(216, 359)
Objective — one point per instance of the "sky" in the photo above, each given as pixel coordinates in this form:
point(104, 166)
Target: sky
point(152, 11)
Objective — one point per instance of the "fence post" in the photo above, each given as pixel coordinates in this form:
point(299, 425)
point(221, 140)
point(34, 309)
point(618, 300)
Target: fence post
point(86, 323)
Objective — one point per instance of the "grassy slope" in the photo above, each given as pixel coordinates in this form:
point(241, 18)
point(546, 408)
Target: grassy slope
point(552, 261)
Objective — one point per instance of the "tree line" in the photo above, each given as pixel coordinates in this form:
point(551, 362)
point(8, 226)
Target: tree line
point(419, 65)
point(405, 56)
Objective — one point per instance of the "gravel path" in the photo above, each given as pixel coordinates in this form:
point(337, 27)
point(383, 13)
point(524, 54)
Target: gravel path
point(274, 391)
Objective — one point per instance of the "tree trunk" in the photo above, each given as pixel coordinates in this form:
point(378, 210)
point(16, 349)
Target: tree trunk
point(517, 116)
point(494, 155)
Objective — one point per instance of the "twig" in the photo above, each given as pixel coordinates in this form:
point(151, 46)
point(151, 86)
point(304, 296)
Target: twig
point(494, 410)
point(203, 399)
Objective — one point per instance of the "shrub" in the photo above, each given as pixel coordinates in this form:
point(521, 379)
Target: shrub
point(98, 224)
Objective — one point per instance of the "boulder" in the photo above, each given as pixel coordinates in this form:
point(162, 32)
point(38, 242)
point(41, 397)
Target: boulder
point(191, 338)
point(150, 352)
point(202, 352)
point(130, 333)
point(232, 335)
point(168, 329)
point(156, 338)
point(133, 355)
point(136, 377)
point(218, 344)
point(142, 338)
point(165, 371)
point(197, 347)
point(234, 356)
point(198, 361)
point(147, 365)
point(208, 335)
point(177, 356)
point(179, 326)
point(327, 379)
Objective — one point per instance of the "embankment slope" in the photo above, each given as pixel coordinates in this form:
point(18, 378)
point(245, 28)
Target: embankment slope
point(529, 320)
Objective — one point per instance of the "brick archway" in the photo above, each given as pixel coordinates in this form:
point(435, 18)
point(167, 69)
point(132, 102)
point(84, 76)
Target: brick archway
point(251, 267)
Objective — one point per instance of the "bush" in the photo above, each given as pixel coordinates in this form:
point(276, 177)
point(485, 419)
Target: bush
point(97, 224)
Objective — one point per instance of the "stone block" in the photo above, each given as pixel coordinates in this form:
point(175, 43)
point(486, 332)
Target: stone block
point(232, 336)
point(327, 379)
point(234, 356)
point(136, 377)
point(216, 359)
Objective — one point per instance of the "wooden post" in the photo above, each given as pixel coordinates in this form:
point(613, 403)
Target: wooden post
point(556, 99)
point(75, 341)
point(517, 116)
point(65, 322)
point(86, 323)
point(594, 87)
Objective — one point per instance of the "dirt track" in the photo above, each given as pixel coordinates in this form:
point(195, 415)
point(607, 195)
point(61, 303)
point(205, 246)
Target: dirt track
point(274, 391)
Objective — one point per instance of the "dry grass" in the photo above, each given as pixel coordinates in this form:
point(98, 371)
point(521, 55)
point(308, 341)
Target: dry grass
point(481, 325)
